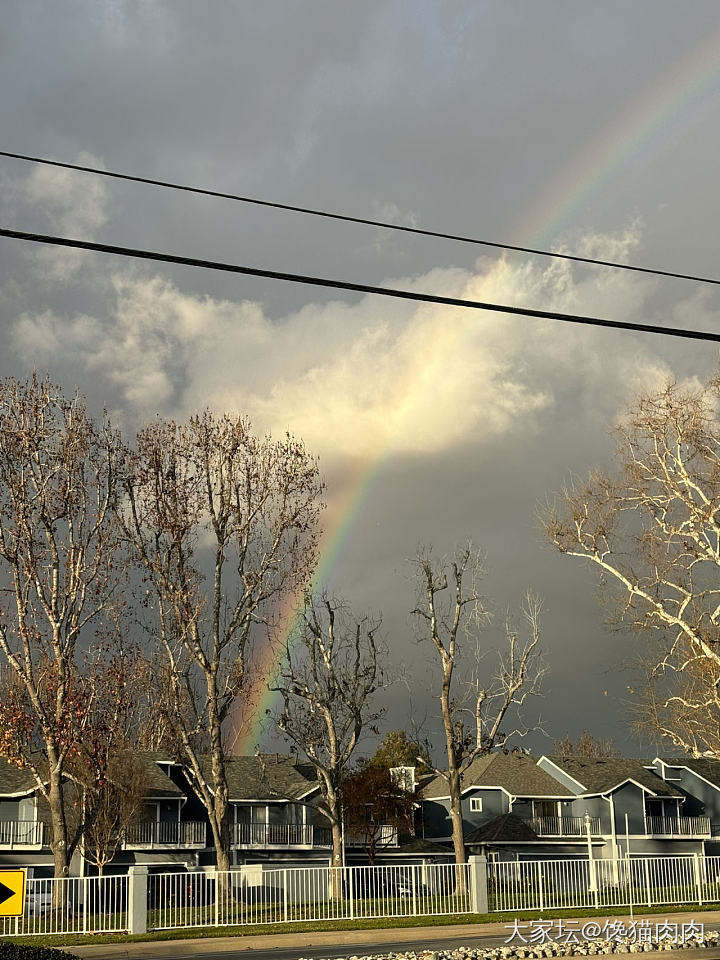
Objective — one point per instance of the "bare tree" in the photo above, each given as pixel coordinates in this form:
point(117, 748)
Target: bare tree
point(59, 572)
point(653, 533)
point(327, 685)
point(211, 492)
point(451, 614)
point(586, 745)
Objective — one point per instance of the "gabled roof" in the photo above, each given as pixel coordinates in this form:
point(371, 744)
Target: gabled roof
point(705, 767)
point(269, 777)
point(157, 782)
point(516, 773)
point(602, 774)
point(15, 781)
point(506, 828)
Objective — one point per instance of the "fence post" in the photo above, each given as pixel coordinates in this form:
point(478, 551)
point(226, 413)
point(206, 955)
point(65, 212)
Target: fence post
point(137, 899)
point(478, 885)
point(218, 887)
point(698, 878)
point(647, 882)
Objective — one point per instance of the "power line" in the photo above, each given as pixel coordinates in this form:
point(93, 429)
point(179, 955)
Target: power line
point(356, 287)
point(383, 224)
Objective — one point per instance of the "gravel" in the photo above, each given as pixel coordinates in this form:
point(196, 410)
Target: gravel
point(550, 948)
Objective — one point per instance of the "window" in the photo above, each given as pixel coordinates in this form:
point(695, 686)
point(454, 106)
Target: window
point(476, 804)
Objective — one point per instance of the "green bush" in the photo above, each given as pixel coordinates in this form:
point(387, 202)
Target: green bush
point(16, 951)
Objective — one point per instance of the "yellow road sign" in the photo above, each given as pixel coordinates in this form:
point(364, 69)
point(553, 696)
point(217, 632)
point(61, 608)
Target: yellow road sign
point(12, 893)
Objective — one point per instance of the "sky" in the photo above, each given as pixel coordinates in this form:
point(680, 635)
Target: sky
point(564, 124)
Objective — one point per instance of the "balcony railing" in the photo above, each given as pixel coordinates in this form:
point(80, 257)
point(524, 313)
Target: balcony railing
point(21, 833)
point(678, 826)
point(564, 826)
point(387, 836)
point(280, 835)
point(186, 833)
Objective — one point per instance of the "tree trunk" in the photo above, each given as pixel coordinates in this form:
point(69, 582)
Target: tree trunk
point(456, 816)
point(454, 780)
point(337, 860)
point(59, 825)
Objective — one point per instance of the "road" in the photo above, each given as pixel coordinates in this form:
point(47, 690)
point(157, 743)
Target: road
point(335, 944)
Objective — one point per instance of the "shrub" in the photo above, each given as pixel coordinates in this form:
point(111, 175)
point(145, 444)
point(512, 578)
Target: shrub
point(16, 951)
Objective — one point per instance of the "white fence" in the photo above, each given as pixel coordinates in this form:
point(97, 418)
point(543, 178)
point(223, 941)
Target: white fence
point(647, 881)
point(74, 905)
point(260, 893)
point(248, 896)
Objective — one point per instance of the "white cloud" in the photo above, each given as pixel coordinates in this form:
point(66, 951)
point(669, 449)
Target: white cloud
point(354, 380)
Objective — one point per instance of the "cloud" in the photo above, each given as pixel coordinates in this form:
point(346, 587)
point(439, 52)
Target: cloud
point(73, 204)
point(357, 379)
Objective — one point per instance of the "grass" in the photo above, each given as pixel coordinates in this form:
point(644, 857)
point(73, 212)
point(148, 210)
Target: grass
point(381, 923)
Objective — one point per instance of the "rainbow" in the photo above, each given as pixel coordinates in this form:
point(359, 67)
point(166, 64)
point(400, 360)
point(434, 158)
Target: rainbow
point(642, 122)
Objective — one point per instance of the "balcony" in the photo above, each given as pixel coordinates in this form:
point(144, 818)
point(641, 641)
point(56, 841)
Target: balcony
point(280, 835)
point(153, 835)
point(564, 826)
point(21, 834)
point(677, 826)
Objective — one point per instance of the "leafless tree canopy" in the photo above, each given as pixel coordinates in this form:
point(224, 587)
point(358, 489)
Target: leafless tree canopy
point(59, 572)
point(327, 686)
point(211, 488)
point(586, 745)
point(451, 615)
point(652, 531)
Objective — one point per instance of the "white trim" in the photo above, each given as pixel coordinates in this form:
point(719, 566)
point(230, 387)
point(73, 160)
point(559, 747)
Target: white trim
point(564, 772)
point(476, 804)
point(681, 766)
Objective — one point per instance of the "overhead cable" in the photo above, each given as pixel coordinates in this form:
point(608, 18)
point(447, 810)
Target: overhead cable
point(357, 287)
point(383, 224)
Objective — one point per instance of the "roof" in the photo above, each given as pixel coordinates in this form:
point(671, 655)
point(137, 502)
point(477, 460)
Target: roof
point(269, 776)
point(703, 766)
point(14, 780)
point(420, 846)
point(506, 828)
point(516, 773)
point(602, 774)
point(157, 782)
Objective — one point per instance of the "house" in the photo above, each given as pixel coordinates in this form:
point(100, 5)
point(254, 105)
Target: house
point(274, 818)
point(520, 807)
point(23, 832)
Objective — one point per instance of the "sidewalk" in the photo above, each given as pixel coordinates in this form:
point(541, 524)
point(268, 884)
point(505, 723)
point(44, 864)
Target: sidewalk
point(391, 938)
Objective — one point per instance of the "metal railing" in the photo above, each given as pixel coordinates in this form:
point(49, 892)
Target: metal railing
point(21, 833)
point(247, 896)
point(564, 826)
point(678, 826)
point(581, 883)
point(72, 905)
point(280, 835)
point(183, 833)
